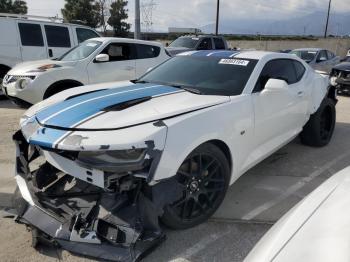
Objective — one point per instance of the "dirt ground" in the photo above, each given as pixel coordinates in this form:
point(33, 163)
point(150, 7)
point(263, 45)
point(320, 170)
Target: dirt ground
point(252, 205)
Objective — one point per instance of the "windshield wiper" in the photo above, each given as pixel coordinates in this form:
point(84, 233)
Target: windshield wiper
point(191, 90)
point(136, 81)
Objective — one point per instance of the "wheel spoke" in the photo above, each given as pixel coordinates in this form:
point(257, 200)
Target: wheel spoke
point(180, 202)
point(191, 208)
point(183, 173)
point(208, 200)
point(213, 190)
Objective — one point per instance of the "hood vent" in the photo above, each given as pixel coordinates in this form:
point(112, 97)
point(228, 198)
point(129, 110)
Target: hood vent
point(127, 104)
point(82, 94)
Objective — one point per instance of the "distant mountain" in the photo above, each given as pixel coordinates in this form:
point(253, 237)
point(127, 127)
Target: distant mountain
point(312, 24)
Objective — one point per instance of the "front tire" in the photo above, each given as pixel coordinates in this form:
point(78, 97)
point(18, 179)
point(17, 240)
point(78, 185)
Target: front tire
point(205, 176)
point(318, 131)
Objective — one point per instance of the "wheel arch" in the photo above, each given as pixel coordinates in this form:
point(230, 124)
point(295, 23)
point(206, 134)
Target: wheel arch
point(224, 148)
point(4, 68)
point(62, 85)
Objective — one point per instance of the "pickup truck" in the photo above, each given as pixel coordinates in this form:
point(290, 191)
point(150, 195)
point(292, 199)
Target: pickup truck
point(200, 42)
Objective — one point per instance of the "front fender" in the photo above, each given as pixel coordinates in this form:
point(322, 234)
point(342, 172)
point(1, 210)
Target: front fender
point(320, 89)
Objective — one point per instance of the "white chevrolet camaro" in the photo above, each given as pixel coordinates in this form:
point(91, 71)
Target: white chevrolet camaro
point(114, 158)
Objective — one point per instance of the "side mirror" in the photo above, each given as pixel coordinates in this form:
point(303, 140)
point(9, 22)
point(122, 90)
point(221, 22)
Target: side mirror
point(276, 85)
point(321, 59)
point(102, 58)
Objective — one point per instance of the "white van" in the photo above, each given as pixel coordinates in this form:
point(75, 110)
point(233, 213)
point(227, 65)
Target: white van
point(26, 38)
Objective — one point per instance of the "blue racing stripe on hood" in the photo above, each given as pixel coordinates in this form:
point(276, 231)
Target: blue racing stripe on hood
point(46, 137)
point(69, 113)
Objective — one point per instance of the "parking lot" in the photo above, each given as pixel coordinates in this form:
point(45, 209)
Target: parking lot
point(253, 203)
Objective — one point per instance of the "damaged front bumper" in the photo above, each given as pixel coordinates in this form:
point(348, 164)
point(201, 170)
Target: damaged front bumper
point(117, 225)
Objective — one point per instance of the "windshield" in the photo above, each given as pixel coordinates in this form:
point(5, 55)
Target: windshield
point(306, 55)
point(208, 75)
point(188, 42)
point(81, 51)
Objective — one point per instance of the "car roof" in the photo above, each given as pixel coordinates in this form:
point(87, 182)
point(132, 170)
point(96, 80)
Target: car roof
point(125, 40)
point(309, 49)
point(258, 55)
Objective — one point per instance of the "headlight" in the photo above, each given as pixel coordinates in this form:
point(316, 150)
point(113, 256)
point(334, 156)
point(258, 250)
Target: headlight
point(333, 80)
point(115, 161)
point(23, 82)
point(29, 127)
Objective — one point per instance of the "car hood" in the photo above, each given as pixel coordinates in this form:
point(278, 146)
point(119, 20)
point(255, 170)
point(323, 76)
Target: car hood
point(317, 229)
point(121, 107)
point(37, 67)
point(345, 66)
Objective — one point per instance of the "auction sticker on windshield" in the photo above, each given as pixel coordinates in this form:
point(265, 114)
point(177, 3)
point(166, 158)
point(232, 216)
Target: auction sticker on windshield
point(234, 62)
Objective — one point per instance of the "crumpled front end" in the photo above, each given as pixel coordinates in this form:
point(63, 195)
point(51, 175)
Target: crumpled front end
point(107, 213)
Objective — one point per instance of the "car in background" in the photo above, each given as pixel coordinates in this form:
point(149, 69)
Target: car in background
point(319, 59)
point(117, 157)
point(194, 42)
point(340, 77)
point(27, 38)
point(315, 230)
point(94, 61)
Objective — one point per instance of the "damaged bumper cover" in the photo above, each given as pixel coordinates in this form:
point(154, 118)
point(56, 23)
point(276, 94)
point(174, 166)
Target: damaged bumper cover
point(117, 223)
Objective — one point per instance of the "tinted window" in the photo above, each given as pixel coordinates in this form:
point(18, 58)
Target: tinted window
point(31, 34)
point(85, 34)
point(278, 69)
point(210, 75)
point(306, 55)
point(120, 52)
point(219, 43)
point(299, 69)
point(57, 36)
point(147, 51)
point(322, 55)
point(205, 44)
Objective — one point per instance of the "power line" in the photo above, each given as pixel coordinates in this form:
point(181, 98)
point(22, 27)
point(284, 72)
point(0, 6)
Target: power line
point(147, 9)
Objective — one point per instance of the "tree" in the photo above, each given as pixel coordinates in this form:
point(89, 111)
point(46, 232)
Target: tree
point(118, 16)
point(15, 7)
point(103, 9)
point(81, 11)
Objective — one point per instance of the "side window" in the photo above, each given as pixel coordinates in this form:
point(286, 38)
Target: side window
point(299, 69)
point(31, 34)
point(219, 43)
point(330, 55)
point(147, 51)
point(205, 44)
point(85, 34)
point(279, 69)
point(120, 52)
point(57, 36)
point(322, 56)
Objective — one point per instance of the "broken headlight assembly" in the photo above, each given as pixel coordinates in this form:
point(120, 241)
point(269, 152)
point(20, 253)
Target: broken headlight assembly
point(115, 160)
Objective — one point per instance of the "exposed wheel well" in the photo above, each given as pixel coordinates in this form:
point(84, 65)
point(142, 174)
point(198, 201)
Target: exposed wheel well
point(332, 94)
point(224, 148)
point(60, 86)
point(3, 70)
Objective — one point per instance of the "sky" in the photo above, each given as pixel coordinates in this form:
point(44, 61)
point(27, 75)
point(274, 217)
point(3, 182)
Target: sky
point(197, 13)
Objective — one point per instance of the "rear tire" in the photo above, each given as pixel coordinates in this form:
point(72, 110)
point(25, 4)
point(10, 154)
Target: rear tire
point(205, 176)
point(319, 129)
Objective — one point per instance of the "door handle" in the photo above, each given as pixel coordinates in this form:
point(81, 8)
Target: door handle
point(300, 94)
point(50, 53)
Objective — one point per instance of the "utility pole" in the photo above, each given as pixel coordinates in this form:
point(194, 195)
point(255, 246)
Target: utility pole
point(217, 17)
point(329, 10)
point(137, 33)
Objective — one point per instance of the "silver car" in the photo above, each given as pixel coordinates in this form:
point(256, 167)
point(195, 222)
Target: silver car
point(319, 59)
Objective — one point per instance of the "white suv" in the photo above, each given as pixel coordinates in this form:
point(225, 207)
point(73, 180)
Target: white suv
point(28, 38)
point(94, 61)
